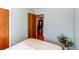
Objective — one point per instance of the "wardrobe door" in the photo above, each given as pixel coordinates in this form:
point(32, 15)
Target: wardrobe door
point(31, 25)
point(4, 29)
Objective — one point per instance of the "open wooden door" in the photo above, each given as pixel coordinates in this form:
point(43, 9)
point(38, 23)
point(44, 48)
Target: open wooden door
point(35, 26)
point(4, 29)
point(31, 25)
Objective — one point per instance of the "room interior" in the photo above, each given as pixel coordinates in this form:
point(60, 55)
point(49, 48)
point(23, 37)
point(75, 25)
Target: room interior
point(55, 21)
point(35, 38)
point(38, 28)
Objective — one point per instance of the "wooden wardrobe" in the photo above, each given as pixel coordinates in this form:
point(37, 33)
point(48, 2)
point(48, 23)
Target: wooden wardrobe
point(35, 26)
point(4, 29)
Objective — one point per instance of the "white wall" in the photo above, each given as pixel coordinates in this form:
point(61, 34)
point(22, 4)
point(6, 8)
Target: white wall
point(76, 15)
point(18, 25)
point(57, 21)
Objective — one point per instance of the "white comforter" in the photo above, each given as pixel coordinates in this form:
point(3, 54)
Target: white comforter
point(34, 44)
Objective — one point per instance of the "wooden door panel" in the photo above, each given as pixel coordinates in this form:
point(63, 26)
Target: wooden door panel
point(35, 30)
point(4, 28)
point(1, 43)
point(31, 25)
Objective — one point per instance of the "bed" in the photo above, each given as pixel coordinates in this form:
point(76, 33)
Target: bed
point(34, 44)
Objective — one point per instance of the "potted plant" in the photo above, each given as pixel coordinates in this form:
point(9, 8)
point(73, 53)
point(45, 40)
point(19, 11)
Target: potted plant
point(65, 41)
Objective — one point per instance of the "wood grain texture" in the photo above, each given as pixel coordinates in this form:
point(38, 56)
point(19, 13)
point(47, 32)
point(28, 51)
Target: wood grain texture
point(31, 25)
point(33, 21)
point(4, 28)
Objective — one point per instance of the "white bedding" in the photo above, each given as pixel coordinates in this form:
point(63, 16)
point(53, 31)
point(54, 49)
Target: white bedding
point(34, 44)
point(20, 46)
